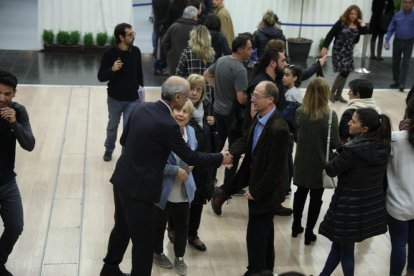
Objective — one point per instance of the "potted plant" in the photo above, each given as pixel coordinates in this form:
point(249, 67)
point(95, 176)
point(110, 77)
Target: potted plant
point(101, 39)
point(88, 39)
point(74, 38)
point(299, 48)
point(62, 37)
point(48, 36)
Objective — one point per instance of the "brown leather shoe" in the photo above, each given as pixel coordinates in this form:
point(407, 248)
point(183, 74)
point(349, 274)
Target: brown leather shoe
point(218, 200)
point(197, 243)
point(283, 211)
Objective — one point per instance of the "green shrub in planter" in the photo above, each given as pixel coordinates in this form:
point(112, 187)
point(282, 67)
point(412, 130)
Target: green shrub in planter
point(62, 37)
point(74, 38)
point(88, 39)
point(101, 39)
point(48, 36)
point(112, 41)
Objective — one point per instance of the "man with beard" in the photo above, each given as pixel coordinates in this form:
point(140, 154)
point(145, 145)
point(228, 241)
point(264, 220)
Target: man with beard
point(121, 67)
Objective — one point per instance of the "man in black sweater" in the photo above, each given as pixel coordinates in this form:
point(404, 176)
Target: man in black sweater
point(14, 125)
point(121, 66)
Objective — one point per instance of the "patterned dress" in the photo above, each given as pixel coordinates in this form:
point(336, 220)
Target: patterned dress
point(342, 52)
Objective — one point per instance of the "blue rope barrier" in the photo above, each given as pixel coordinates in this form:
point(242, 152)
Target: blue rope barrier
point(306, 25)
point(141, 5)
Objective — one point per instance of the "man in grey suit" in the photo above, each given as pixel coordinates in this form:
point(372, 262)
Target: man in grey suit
point(149, 136)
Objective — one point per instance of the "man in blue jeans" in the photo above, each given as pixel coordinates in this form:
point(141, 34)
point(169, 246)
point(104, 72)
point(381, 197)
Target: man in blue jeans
point(14, 125)
point(121, 66)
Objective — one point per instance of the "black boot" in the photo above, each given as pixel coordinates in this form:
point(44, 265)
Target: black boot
point(340, 87)
point(313, 214)
point(298, 204)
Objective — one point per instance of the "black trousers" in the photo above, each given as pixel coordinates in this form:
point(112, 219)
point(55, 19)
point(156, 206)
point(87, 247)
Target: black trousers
point(178, 212)
point(11, 212)
point(195, 219)
point(134, 220)
point(260, 243)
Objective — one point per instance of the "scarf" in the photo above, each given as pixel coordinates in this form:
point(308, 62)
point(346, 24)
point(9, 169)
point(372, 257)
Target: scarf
point(198, 114)
point(363, 103)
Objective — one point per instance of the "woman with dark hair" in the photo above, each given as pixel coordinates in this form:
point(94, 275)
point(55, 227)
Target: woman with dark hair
point(357, 209)
point(346, 32)
point(218, 40)
point(266, 31)
point(360, 96)
point(400, 195)
point(382, 13)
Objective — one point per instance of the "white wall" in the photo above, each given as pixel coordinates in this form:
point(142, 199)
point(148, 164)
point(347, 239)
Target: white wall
point(84, 15)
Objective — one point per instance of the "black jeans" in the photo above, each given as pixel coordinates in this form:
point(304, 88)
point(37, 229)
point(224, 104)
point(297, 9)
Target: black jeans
point(400, 69)
point(260, 243)
point(195, 218)
point(179, 215)
point(225, 131)
point(11, 212)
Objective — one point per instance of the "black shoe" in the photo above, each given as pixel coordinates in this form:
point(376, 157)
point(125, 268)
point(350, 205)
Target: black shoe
point(394, 85)
point(309, 237)
point(341, 99)
point(240, 192)
point(283, 211)
point(107, 156)
point(372, 57)
point(219, 197)
point(171, 235)
point(297, 230)
point(197, 243)
point(379, 58)
point(109, 270)
point(401, 89)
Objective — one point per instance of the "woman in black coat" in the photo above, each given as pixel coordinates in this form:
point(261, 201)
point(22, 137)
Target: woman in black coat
point(357, 209)
point(382, 13)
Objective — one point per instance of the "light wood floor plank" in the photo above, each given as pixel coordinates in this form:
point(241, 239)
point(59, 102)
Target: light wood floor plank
point(66, 171)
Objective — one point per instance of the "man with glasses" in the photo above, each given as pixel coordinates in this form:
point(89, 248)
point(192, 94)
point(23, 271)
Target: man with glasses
point(121, 66)
point(265, 146)
point(271, 66)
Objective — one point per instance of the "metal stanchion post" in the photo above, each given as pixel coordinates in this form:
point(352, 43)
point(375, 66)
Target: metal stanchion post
point(362, 69)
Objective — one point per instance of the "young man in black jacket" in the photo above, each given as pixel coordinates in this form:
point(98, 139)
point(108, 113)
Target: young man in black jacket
point(14, 125)
point(121, 66)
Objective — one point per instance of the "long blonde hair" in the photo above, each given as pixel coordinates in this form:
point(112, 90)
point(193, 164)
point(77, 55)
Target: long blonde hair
point(315, 102)
point(200, 43)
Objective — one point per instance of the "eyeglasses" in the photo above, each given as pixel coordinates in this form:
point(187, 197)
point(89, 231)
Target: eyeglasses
point(257, 97)
point(290, 66)
point(131, 34)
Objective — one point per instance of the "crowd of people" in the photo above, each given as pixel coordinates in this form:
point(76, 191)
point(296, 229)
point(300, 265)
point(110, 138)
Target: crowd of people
point(241, 89)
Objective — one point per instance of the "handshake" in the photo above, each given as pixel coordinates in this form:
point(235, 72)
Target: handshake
point(227, 159)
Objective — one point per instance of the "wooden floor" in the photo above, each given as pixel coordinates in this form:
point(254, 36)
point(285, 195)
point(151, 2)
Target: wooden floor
point(68, 200)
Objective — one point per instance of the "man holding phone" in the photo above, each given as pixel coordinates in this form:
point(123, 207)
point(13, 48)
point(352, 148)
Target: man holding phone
point(121, 67)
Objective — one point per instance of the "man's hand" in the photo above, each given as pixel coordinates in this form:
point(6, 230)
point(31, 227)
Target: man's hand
point(386, 45)
point(8, 114)
point(182, 175)
point(117, 65)
point(227, 158)
point(210, 120)
point(248, 196)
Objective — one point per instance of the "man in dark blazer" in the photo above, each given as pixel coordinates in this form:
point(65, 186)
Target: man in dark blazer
point(266, 146)
point(149, 136)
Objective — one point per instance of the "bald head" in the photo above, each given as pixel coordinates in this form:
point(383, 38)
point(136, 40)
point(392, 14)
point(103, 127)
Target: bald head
point(174, 85)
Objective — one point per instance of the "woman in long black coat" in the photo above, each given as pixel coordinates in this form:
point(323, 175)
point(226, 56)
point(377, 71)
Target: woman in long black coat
point(357, 209)
point(382, 13)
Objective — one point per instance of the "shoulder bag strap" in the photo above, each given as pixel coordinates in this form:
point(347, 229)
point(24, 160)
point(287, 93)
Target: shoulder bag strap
point(328, 143)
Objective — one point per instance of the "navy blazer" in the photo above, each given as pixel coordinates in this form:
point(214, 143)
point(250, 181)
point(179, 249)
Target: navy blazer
point(149, 136)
